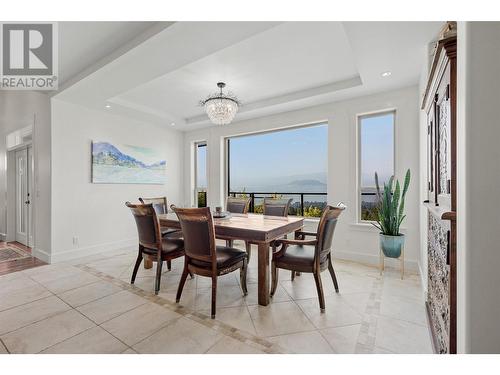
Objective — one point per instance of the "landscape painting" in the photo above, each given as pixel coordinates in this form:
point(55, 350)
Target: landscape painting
point(126, 164)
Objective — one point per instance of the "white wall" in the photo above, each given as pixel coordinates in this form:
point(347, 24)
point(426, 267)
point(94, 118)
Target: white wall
point(478, 175)
point(352, 241)
point(423, 188)
point(96, 213)
point(19, 109)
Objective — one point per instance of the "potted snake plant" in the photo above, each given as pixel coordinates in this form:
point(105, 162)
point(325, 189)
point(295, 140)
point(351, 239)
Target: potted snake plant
point(389, 214)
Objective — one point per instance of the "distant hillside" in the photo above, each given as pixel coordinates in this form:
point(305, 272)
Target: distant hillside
point(309, 182)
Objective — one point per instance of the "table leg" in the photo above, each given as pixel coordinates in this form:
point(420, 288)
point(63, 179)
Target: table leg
point(263, 274)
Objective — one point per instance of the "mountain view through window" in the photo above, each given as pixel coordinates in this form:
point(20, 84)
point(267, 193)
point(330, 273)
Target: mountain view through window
point(287, 164)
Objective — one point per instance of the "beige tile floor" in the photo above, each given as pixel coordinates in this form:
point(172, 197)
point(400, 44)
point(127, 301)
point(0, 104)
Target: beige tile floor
point(88, 306)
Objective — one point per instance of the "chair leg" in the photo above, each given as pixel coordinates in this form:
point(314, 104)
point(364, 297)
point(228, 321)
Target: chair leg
point(274, 278)
point(181, 284)
point(332, 273)
point(159, 265)
point(229, 243)
point(319, 287)
point(248, 248)
point(293, 275)
point(243, 277)
point(169, 265)
point(214, 295)
point(136, 267)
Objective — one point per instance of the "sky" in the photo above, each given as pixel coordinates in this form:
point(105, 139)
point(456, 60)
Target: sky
point(377, 148)
point(145, 154)
point(257, 159)
point(201, 163)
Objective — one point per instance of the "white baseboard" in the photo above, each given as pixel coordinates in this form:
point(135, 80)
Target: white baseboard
point(422, 282)
point(374, 260)
point(67, 255)
point(41, 254)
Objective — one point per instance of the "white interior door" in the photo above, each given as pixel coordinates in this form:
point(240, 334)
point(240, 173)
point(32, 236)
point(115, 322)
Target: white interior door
point(29, 199)
point(22, 198)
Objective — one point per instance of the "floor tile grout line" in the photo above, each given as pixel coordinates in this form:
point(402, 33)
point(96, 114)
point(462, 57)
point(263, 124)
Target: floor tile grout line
point(215, 343)
point(60, 342)
point(57, 293)
point(36, 322)
point(25, 303)
point(116, 316)
point(97, 299)
point(5, 346)
point(76, 308)
point(47, 317)
point(124, 343)
point(403, 320)
point(316, 328)
point(328, 342)
point(71, 308)
point(251, 319)
point(189, 315)
point(154, 333)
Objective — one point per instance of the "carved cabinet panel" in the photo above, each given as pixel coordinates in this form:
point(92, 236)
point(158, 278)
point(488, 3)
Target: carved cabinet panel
point(444, 139)
point(438, 282)
point(440, 105)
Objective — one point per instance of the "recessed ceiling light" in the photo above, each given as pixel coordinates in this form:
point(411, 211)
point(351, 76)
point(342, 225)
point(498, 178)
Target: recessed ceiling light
point(172, 124)
point(107, 106)
point(386, 74)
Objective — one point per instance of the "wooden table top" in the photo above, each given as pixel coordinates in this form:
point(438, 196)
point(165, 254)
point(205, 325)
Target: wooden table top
point(252, 227)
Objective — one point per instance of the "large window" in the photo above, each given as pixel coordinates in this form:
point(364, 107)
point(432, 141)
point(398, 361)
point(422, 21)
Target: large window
point(201, 174)
point(282, 164)
point(376, 147)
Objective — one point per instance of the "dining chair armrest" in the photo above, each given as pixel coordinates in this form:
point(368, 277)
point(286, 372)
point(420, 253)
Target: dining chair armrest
point(300, 234)
point(285, 243)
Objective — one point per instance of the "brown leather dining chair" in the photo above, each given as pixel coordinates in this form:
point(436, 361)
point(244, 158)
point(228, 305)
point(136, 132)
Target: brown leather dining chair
point(203, 256)
point(272, 207)
point(151, 242)
point(238, 205)
point(160, 207)
point(312, 256)
point(276, 207)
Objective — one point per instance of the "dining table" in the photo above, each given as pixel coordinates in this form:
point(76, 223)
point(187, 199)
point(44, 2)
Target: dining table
point(261, 230)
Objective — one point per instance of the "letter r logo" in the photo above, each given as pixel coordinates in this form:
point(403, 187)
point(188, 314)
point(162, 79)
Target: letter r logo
point(27, 49)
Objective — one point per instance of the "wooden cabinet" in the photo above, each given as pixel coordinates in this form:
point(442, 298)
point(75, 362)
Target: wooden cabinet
point(439, 103)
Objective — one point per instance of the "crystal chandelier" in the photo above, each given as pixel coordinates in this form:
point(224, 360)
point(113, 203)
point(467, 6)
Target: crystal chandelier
point(221, 108)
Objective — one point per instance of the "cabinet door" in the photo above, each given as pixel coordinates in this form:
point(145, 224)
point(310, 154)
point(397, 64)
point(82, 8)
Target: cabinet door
point(430, 155)
point(443, 183)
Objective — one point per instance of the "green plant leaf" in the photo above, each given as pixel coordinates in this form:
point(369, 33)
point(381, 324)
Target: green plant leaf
point(406, 182)
point(391, 204)
point(377, 186)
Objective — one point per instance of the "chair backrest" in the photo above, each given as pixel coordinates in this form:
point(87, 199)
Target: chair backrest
point(326, 228)
point(237, 205)
point(148, 227)
point(199, 233)
point(159, 204)
point(276, 207)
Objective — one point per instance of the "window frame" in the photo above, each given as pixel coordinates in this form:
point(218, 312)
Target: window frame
point(196, 145)
point(227, 148)
point(359, 118)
